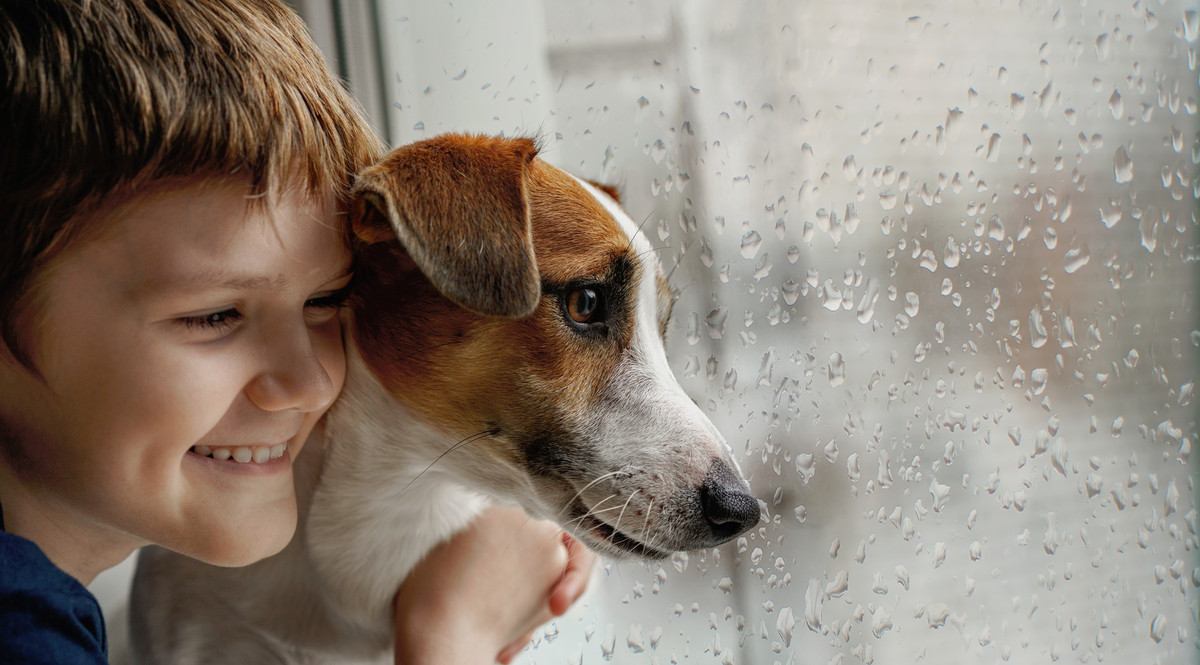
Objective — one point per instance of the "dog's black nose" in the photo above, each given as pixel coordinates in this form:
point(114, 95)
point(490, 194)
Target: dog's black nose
point(726, 502)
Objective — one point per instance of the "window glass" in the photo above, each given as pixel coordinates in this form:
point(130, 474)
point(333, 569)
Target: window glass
point(937, 266)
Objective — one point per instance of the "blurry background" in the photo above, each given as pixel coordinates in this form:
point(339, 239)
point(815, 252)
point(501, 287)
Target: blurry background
point(938, 266)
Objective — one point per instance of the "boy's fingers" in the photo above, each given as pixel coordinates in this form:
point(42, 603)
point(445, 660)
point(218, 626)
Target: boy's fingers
point(574, 581)
point(513, 649)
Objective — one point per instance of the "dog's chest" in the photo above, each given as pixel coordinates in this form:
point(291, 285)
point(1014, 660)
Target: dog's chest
point(379, 506)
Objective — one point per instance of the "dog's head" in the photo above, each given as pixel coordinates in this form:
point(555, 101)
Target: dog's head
point(520, 310)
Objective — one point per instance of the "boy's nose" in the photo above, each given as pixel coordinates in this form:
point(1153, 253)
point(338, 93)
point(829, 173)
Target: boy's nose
point(291, 376)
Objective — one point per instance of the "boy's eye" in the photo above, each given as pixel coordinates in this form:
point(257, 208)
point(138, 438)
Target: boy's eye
point(214, 321)
point(323, 308)
point(332, 300)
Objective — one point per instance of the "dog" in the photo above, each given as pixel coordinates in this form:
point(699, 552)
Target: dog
point(505, 343)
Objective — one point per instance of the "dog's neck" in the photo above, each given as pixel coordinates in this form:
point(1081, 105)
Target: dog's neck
point(378, 470)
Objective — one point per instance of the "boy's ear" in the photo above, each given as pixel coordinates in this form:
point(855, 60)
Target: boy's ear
point(457, 205)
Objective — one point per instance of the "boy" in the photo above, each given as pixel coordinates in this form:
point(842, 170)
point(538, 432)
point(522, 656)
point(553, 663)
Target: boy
point(171, 267)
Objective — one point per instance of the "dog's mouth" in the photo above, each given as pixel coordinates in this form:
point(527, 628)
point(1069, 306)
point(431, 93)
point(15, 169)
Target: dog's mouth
point(604, 538)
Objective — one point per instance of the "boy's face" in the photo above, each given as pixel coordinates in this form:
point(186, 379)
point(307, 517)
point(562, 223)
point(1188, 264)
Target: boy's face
point(189, 320)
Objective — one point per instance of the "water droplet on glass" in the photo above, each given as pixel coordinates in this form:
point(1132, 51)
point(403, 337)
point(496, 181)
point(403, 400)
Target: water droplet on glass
point(784, 625)
point(951, 257)
point(1149, 232)
point(706, 254)
point(996, 228)
point(634, 640)
point(849, 168)
point(693, 329)
point(607, 647)
point(1076, 258)
point(1158, 627)
point(929, 260)
point(1110, 217)
point(836, 370)
point(801, 514)
point(993, 148)
point(831, 451)
point(751, 241)
point(1116, 106)
point(807, 468)
point(716, 322)
point(790, 291)
point(1122, 166)
point(939, 493)
point(814, 602)
point(953, 116)
point(1016, 102)
point(1037, 380)
point(1037, 329)
point(866, 306)
point(838, 585)
point(1050, 237)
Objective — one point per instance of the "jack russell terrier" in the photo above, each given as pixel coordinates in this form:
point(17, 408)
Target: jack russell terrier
point(506, 343)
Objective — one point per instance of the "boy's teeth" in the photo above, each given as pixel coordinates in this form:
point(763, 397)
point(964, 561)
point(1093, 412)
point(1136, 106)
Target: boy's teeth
point(243, 454)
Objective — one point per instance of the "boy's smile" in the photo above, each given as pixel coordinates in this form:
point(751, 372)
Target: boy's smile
point(187, 350)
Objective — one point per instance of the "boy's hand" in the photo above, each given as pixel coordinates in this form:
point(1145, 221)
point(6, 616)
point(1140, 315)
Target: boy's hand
point(568, 589)
point(478, 597)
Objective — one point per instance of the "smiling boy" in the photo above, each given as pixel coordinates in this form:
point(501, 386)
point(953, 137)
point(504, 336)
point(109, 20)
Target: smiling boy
point(172, 262)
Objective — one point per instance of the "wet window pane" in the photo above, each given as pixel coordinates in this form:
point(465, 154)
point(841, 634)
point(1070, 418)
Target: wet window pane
point(937, 265)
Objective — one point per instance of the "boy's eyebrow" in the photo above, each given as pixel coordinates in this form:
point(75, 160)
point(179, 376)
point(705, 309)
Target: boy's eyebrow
point(217, 278)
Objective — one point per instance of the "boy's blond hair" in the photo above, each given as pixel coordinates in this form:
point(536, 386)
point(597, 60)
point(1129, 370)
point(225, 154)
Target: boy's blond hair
point(104, 96)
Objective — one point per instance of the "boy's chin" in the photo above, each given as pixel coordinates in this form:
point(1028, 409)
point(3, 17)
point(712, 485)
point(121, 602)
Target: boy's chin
point(248, 543)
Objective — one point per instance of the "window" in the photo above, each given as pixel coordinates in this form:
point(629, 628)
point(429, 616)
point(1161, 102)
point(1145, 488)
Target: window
point(938, 275)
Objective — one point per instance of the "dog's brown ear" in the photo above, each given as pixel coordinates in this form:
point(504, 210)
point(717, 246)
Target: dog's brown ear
point(458, 206)
point(611, 190)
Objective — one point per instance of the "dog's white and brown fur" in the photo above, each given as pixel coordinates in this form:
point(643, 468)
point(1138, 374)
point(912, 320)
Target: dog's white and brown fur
point(505, 343)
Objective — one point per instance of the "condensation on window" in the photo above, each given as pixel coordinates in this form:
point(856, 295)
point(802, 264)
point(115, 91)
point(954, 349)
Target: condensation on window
point(938, 289)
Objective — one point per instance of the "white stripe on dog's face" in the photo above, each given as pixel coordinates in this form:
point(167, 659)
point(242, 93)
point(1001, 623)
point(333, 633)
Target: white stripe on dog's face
point(650, 352)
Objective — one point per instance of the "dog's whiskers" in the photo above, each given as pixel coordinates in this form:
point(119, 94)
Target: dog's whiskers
point(645, 525)
point(639, 229)
point(593, 513)
point(492, 431)
point(616, 528)
point(664, 534)
point(578, 521)
point(586, 487)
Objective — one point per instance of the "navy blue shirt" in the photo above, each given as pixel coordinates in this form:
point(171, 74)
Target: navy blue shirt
point(46, 616)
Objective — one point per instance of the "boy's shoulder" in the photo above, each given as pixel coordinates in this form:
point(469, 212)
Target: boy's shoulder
point(46, 616)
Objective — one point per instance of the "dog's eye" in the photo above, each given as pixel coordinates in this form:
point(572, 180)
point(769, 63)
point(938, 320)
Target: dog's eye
point(582, 305)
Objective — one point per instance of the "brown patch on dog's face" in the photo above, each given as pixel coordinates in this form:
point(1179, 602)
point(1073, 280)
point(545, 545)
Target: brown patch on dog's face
point(533, 381)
